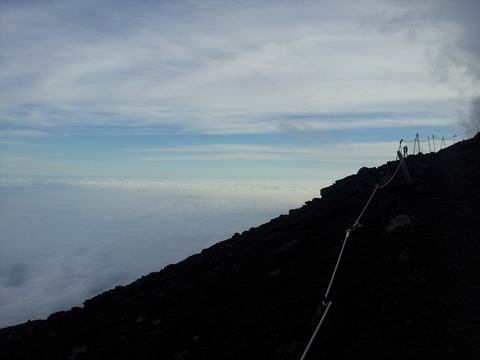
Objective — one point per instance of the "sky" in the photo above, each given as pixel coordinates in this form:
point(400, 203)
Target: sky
point(230, 89)
point(136, 133)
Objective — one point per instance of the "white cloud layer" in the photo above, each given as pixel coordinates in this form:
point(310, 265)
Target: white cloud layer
point(64, 241)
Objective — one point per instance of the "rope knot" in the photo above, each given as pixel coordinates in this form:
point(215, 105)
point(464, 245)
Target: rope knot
point(356, 225)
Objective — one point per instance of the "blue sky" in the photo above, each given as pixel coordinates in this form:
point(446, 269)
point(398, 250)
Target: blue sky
point(230, 89)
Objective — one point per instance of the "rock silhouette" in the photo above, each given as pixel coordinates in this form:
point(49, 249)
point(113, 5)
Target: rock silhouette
point(403, 290)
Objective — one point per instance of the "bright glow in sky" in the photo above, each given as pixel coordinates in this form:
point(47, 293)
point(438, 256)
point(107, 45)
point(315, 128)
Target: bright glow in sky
point(164, 93)
point(229, 89)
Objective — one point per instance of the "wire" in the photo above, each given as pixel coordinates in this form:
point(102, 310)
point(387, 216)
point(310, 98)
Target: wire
point(316, 331)
point(442, 140)
point(395, 173)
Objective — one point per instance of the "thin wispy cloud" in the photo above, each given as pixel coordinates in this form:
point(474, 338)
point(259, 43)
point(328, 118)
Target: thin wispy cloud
point(218, 67)
point(372, 152)
point(110, 76)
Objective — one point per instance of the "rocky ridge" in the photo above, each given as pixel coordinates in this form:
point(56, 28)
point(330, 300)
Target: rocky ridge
point(405, 289)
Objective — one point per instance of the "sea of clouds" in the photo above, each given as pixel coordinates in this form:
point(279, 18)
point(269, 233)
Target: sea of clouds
point(66, 240)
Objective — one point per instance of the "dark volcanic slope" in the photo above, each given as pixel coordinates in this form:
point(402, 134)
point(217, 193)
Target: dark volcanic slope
point(412, 293)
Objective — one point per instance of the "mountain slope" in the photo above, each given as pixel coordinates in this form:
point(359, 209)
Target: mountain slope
point(413, 292)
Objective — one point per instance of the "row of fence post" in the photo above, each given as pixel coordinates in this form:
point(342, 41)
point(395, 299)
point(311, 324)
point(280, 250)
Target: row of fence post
point(443, 142)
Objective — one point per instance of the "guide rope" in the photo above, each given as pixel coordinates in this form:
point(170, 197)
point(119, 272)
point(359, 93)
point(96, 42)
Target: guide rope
point(395, 173)
point(316, 331)
point(326, 302)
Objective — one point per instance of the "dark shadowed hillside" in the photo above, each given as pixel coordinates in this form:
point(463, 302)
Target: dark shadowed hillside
point(412, 292)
